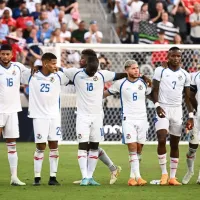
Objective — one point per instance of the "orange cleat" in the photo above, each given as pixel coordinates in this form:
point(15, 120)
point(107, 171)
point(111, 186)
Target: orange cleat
point(173, 181)
point(141, 182)
point(132, 182)
point(164, 179)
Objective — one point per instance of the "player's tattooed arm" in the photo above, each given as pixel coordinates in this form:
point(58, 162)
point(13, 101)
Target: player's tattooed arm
point(154, 96)
point(119, 76)
point(193, 92)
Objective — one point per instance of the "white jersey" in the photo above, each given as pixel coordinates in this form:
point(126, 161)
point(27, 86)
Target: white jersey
point(10, 85)
point(172, 84)
point(132, 96)
point(44, 94)
point(89, 90)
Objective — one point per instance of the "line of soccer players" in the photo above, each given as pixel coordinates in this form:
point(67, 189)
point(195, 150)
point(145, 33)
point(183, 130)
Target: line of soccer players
point(44, 108)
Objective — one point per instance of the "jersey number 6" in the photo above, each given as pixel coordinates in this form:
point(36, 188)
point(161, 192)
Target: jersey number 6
point(135, 96)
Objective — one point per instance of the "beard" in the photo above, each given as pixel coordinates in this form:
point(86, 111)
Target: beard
point(134, 76)
point(5, 62)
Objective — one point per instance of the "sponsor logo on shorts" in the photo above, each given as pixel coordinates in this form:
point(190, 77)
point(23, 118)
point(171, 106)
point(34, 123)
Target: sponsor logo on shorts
point(79, 136)
point(140, 87)
point(52, 79)
point(95, 78)
point(128, 136)
point(14, 73)
point(39, 136)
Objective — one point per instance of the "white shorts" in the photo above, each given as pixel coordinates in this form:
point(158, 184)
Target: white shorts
point(134, 131)
point(10, 125)
point(194, 135)
point(172, 122)
point(89, 128)
point(47, 130)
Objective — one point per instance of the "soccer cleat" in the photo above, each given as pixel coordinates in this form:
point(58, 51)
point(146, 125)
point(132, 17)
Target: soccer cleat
point(53, 181)
point(115, 174)
point(37, 181)
point(77, 182)
point(93, 182)
point(141, 182)
point(132, 182)
point(198, 180)
point(164, 179)
point(173, 181)
point(84, 182)
point(16, 182)
point(187, 177)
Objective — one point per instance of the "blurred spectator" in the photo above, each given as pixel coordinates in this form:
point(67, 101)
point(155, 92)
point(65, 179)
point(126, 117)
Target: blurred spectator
point(13, 3)
point(135, 6)
point(32, 36)
point(180, 11)
point(30, 4)
point(61, 17)
point(74, 22)
point(104, 63)
point(177, 39)
point(121, 13)
point(17, 10)
point(7, 19)
point(65, 34)
point(35, 14)
point(143, 15)
point(55, 36)
point(78, 34)
point(3, 8)
point(195, 24)
point(44, 33)
point(159, 10)
point(71, 6)
point(22, 20)
point(161, 38)
point(22, 41)
point(27, 30)
point(165, 22)
point(11, 26)
point(52, 11)
point(43, 17)
point(4, 31)
point(93, 35)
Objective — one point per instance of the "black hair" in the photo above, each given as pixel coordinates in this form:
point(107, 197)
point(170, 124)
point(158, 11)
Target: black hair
point(89, 52)
point(93, 61)
point(6, 47)
point(174, 49)
point(48, 56)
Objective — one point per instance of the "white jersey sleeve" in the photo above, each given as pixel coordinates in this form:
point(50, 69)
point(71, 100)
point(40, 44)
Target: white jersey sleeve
point(148, 90)
point(63, 79)
point(70, 73)
point(115, 87)
point(188, 80)
point(25, 77)
point(107, 75)
point(158, 73)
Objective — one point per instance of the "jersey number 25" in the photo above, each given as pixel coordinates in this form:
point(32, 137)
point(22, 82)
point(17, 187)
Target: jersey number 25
point(44, 87)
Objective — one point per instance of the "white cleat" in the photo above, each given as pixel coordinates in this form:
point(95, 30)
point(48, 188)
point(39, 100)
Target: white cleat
point(198, 180)
point(114, 175)
point(187, 177)
point(16, 182)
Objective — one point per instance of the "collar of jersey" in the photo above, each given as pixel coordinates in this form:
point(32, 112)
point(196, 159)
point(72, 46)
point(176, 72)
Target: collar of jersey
point(6, 67)
point(44, 74)
point(175, 70)
point(132, 81)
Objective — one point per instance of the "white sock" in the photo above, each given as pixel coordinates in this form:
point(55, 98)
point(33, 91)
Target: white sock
point(12, 158)
point(162, 159)
point(92, 162)
point(38, 160)
point(132, 175)
point(191, 155)
point(173, 167)
point(106, 160)
point(82, 161)
point(53, 161)
point(135, 165)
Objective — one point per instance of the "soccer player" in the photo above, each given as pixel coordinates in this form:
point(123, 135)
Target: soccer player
point(168, 86)
point(133, 91)
point(194, 133)
point(89, 84)
point(44, 108)
point(10, 105)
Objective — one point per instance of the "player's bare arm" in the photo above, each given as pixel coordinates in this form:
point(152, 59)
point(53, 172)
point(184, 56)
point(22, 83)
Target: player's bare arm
point(193, 92)
point(190, 122)
point(106, 94)
point(119, 76)
point(154, 97)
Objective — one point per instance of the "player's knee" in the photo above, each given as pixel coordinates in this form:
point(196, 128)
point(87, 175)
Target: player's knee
point(132, 147)
point(83, 146)
point(9, 140)
point(193, 146)
point(94, 145)
point(191, 153)
point(41, 146)
point(161, 141)
point(53, 144)
point(174, 146)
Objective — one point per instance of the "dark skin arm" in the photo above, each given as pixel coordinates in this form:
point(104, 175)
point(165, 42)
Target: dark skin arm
point(193, 92)
point(119, 76)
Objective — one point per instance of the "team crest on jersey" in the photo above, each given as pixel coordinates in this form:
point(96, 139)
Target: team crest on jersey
point(180, 78)
point(128, 136)
point(79, 136)
point(52, 79)
point(39, 136)
point(140, 87)
point(14, 73)
point(95, 78)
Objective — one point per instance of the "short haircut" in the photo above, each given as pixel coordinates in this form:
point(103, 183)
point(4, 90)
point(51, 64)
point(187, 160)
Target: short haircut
point(6, 47)
point(174, 49)
point(48, 56)
point(128, 63)
point(89, 52)
point(93, 61)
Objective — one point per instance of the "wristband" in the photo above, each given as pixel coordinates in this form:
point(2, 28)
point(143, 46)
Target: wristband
point(191, 115)
point(157, 104)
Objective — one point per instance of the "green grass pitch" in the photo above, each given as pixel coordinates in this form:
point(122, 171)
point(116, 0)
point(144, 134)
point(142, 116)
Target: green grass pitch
point(69, 171)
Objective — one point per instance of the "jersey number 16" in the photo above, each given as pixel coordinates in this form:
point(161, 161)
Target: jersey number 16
point(89, 86)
